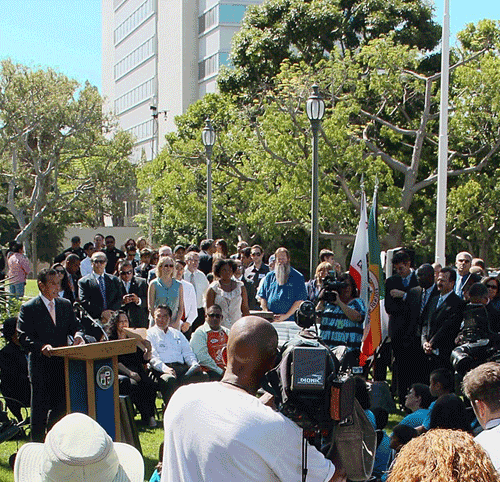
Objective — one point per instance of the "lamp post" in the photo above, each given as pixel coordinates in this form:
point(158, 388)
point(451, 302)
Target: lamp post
point(315, 108)
point(208, 138)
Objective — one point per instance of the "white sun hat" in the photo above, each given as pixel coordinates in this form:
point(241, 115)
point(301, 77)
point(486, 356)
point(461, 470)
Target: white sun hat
point(78, 449)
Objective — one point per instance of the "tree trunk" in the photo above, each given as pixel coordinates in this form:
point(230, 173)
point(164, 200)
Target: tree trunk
point(34, 253)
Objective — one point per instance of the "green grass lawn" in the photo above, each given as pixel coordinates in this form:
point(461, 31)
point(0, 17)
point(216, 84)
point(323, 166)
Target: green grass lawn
point(150, 442)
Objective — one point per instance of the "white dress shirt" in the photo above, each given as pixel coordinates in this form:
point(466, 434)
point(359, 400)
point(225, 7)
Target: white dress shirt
point(190, 306)
point(200, 285)
point(169, 347)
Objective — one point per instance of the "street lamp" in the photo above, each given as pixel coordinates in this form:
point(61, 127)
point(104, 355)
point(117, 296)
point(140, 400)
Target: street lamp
point(208, 138)
point(315, 108)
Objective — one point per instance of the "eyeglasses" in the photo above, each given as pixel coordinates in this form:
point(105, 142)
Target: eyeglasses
point(168, 266)
point(215, 315)
point(492, 287)
point(255, 254)
point(125, 272)
point(99, 261)
point(59, 271)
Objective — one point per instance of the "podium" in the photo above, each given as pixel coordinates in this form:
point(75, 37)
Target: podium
point(91, 376)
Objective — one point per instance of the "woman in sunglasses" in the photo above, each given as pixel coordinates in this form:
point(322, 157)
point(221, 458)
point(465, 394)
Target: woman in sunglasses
point(166, 290)
point(493, 286)
point(64, 287)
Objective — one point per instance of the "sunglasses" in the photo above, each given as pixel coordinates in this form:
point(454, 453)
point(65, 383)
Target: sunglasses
point(168, 266)
point(125, 272)
point(493, 287)
point(255, 254)
point(99, 261)
point(214, 315)
point(59, 271)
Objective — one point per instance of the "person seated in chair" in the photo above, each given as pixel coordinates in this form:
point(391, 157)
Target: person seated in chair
point(14, 381)
point(173, 363)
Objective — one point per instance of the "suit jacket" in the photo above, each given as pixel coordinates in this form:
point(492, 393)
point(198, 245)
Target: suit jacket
point(205, 263)
point(91, 297)
point(397, 308)
point(442, 325)
point(411, 331)
point(137, 314)
point(36, 329)
point(470, 279)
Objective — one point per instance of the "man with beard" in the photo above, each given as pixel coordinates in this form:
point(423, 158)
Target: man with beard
point(283, 290)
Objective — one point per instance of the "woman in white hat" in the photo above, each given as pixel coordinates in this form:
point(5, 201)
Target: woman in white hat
point(78, 449)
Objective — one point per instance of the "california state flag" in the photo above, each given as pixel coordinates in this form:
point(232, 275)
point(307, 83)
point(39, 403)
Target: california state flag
point(359, 261)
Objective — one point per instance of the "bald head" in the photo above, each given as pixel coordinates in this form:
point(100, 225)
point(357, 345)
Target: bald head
point(252, 340)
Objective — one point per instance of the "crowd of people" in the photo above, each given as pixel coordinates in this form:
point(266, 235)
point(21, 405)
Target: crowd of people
point(198, 306)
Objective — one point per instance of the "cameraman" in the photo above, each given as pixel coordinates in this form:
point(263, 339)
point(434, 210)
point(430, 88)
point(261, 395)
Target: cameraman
point(342, 318)
point(220, 431)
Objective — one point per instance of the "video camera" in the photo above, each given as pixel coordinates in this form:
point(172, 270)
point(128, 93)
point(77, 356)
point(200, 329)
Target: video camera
point(331, 286)
point(310, 389)
point(476, 340)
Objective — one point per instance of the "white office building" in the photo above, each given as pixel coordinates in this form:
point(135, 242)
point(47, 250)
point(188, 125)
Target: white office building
point(160, 56)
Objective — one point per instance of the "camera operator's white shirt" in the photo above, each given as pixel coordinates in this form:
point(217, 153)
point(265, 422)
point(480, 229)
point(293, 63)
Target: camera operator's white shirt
point(215, 433)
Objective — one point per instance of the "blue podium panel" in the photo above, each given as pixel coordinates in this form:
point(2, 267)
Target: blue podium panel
point(104, 396)
point(78, 389)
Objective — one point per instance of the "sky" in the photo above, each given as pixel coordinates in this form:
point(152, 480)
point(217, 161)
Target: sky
point(66, 34)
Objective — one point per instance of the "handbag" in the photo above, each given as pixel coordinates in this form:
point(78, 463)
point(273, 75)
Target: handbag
point(354, 445)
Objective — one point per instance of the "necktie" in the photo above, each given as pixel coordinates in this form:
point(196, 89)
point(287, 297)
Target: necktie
point(424, 299)
point(405, 282)
point(440, 302)
point(52, 311)
point(191, 280)
point(102, 287)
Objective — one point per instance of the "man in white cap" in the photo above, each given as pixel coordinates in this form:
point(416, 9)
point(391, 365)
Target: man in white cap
point(78, 449)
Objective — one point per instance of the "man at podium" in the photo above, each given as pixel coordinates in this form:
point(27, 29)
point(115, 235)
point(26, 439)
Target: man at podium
point(47, 322)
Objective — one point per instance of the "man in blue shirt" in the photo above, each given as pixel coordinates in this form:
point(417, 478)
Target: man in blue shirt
point(283, 290)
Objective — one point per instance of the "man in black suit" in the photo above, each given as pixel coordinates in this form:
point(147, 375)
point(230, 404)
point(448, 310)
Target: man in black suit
point(99, 291)
point(134, 291)
point(113, 254)
point(396, 288)
point(465, 279)
point(45, 323)
point(411, 356)
point(207, 249)
point(442, 323)
point(75, 248)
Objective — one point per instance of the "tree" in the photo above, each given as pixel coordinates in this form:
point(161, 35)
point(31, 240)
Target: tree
point(311, 30)
point(54, 149)
point(380, 125)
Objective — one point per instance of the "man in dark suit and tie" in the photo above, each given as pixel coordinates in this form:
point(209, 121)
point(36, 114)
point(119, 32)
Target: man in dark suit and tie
point(412, 358)
point(465, 279)
point(46, 322)
point(396, 287)
point(134, 295)
point(99, 291)
point(442, 323)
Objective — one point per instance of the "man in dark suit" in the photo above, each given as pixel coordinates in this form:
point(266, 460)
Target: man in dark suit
point(465, 279)
point(207, 249)
point(99, 291)
point(396, 287)
point(411, 356)
point(134, 291)
point(442, 323)
point(45, 323)
point(113, 254)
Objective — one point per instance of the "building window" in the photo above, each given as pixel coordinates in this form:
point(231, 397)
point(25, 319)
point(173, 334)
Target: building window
point(231, 13)
point(137, 17)
point(207, 20)
point(210, 65)
point(134, 97)
point(136, 57)
point(142, 131)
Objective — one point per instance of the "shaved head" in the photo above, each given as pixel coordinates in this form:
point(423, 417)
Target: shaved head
point(251, 352)
point(251, 337)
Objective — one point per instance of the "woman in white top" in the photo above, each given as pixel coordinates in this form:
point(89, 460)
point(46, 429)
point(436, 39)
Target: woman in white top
point(228, 293)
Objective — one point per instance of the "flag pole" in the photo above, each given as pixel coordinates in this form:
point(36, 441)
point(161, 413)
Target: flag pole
point(443, 141)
